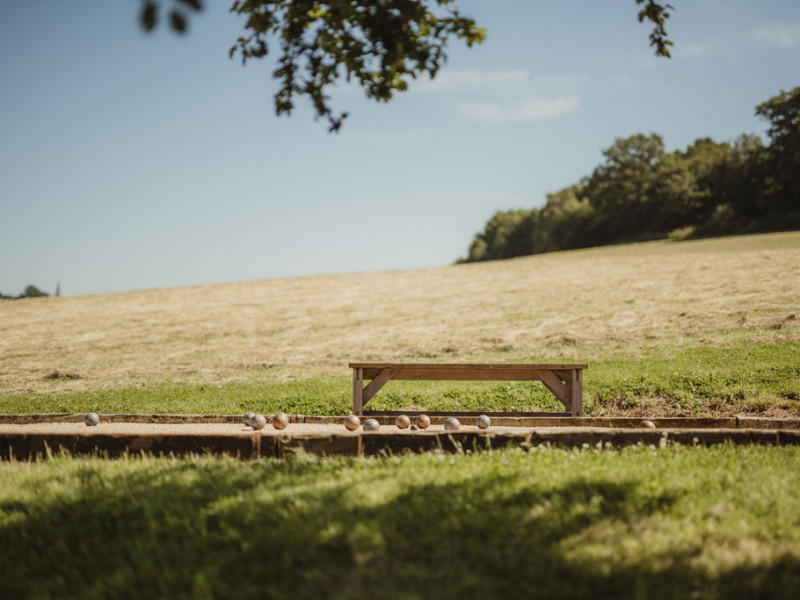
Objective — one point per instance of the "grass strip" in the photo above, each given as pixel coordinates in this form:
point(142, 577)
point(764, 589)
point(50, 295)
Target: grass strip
point(719, 522)
point(713, 380)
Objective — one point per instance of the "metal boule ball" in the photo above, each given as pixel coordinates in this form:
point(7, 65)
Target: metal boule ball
point(258, 422)
point(451, 424)
point(423, 421)
point(352, 422)
point(371, 425)
point(248, 418)
point(280, 420)
point(403, 422)
point(91, 419)
point(483, 422)
point(648, 424)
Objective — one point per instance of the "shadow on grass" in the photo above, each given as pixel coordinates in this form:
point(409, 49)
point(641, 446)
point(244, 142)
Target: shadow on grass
point(316, 529)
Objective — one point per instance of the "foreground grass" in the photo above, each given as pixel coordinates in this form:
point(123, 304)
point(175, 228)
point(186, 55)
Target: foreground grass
point(711, 380)
point(721, 522)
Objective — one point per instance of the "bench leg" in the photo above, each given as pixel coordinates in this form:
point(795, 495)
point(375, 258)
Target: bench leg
point(576, 393)
point(358, 391)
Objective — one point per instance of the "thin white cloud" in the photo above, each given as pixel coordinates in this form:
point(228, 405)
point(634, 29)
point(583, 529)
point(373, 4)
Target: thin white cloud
point(529, 109)
point(779, 34)
point(559, 84)
point(470, 80)
point(460, 82)
point(497, 82)
point(492, 96)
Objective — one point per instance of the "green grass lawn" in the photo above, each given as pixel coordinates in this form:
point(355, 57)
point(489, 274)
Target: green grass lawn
point(738, 378)
point(719, 522)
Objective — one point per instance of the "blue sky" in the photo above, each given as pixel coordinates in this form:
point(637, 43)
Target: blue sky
point(132, 161)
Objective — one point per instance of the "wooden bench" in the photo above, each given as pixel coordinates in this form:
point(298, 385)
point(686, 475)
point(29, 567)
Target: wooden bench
point(564, 381)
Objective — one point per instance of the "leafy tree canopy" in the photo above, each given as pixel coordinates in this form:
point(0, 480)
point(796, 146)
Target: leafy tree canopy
point(783, 113)
point(640, 191)
point(381, 44)
point(33, 292)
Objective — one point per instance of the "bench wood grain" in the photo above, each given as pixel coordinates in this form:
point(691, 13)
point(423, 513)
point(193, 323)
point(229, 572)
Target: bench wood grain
point(565, 381)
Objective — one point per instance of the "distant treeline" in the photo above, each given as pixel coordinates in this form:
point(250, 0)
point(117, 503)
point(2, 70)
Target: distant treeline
point(30, 292)
point(642, 192)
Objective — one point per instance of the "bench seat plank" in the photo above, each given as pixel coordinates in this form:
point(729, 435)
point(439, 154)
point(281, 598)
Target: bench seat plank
point(461, 375)
point(465, 366)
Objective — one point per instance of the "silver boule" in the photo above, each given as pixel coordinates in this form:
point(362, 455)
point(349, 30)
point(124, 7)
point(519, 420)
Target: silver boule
point(483, 422)
point(248, 418)
point(258, 422)
point(280, 420)
point(352, 422)
point(647, 424)
point(423, 421)
point(91, 419)
point(451, 424)
point(371, 425)
point(403, 422)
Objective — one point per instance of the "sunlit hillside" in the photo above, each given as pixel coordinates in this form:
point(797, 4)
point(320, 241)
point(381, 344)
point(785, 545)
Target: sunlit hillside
point(582, 305)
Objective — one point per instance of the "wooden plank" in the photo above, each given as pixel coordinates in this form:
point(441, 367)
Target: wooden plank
point(471, 441)
point(564, 381)
point(563, 374)
point(555, 385)
point(445, 374)
point(465, 366)
point(358, 390)
point(375, 385)
point(576, 393)
point(319, 445)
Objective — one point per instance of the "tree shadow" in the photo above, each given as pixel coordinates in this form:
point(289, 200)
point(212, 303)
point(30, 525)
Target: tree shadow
point(296, 529)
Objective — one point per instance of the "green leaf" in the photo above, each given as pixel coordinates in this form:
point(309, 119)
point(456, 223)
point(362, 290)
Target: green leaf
point(178, 21)
point(149, 16)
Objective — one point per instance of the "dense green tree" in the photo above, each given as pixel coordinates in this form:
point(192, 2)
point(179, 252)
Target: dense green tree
point(747, 177)
point(562, 221)
point(729, 174)
point(380, 44)
point(712, 165)
point(505, 235)
point(622, 189)
point(642, 192)
point(676, 196)
point(783, 113)
point(33, 292)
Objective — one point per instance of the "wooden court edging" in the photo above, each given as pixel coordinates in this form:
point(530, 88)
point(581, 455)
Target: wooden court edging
point(567, 432)
point(739, 422)
point(31, 446)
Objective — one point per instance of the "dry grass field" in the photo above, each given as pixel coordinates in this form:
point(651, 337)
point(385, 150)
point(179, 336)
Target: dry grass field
point(585, 305)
